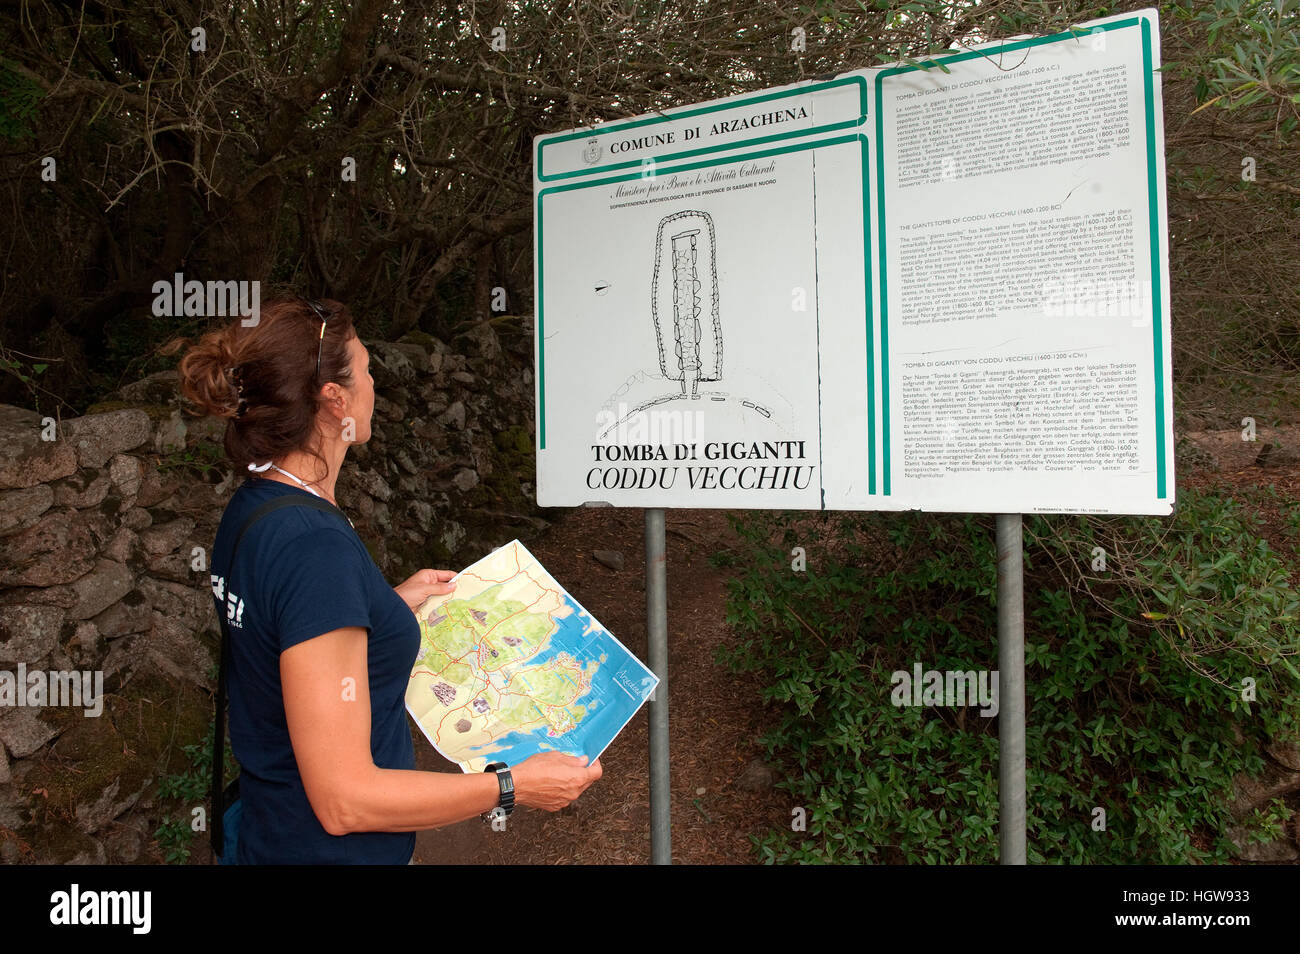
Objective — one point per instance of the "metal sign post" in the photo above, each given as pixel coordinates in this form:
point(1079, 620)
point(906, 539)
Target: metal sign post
point(1011, 690)
point(656, 607)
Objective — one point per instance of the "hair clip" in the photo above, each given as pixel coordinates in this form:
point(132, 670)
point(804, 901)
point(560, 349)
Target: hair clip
point(236, 373)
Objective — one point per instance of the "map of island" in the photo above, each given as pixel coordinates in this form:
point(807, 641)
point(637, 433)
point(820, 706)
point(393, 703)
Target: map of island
point(511, 665)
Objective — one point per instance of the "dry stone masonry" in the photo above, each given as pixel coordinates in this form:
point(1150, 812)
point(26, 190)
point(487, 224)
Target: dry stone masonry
point(105, 531)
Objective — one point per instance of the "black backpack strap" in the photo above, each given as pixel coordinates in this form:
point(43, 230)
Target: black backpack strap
point(216, 830)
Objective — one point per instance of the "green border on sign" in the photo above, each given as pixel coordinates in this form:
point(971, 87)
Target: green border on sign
point(795, 147)
point(1154, 216)
point(605, 128)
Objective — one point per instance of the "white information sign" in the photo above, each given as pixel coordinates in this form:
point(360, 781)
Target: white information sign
point(940, 288)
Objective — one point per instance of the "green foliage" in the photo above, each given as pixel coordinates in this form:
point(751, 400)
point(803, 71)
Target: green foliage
point(174, 837)
point(201, 458)
point(1258, 42)
point(27, 370)
point(19, 97)
point(191, 787)
point(1133, 694)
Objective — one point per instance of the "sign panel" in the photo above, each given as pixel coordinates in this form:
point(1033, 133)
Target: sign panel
point(940, 288)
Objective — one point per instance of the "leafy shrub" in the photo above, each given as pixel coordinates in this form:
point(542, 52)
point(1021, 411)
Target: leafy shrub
point(191, 787)
point(1134, 677)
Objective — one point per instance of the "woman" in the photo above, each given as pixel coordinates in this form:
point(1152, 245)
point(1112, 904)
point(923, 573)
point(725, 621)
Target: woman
point(321, 646)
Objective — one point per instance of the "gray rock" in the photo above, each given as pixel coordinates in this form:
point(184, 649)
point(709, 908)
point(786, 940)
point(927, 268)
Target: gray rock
point(162, 387)
point(464, 377)
point(13, 814)
point(415, 353)
point(757, 776)
point(610, 558)
point(422, 514)
point(92, 854)
point(1286, 752)
point(171, 647)
point(25, 459)
point(97, 437)
point(58, 549)
point(465, 479)
point(93, 817)
point(107, 583)
point(452, 535)
point(387, 409)
point(20, 509)
point(1251, 793)
point(81, 492)
point(175, 566)
point(371, 483)
point(137, 518)
point(485, 341)
point(61, 596)
point(122, 619)
point(404, 461)
point(154, 488)
point(125, 473)
point(171, 434)
point(86, 638)
point(454, 416)
point(1272, 852)
point(124, 845)
point(190, 605)
point(29, 633)
point(429, 431)
point(391, 366)
point(123, 546)
point(166, 537)
point(23, 731)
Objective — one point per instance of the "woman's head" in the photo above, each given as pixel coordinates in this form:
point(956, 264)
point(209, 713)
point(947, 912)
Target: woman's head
point(264, 380)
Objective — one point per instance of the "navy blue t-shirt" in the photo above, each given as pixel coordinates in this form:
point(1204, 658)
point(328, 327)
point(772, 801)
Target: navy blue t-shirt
point(300, 573)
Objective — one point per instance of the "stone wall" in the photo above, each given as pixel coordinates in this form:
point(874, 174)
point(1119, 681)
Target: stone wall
point(106, 522)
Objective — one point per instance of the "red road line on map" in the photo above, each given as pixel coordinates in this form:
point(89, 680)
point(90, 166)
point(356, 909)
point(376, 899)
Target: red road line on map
point(481, 638)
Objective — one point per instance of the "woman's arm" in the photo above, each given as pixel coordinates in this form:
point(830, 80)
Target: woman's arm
point(329, 727)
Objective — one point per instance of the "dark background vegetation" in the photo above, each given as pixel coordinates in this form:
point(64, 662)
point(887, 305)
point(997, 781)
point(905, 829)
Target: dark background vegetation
point(225, 164)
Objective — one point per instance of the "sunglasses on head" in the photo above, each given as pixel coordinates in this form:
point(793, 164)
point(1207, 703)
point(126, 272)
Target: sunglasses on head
point(324, 315)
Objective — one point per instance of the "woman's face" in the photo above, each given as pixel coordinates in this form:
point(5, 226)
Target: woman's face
point(361, 404)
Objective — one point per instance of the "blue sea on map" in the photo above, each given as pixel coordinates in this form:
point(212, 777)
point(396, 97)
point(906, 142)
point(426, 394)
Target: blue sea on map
point(620, 687)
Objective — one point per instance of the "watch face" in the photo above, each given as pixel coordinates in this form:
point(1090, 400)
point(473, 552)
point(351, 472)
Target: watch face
point(496, 813)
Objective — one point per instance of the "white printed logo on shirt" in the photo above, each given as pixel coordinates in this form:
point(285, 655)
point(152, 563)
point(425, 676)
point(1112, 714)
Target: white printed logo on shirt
point(234, 603)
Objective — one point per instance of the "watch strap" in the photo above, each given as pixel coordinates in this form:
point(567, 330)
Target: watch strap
point(506, 800)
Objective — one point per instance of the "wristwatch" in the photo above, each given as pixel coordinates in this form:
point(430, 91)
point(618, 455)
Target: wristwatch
point(507, 803)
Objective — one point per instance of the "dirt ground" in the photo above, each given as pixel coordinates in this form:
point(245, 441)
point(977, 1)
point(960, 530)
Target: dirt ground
point(714, 717)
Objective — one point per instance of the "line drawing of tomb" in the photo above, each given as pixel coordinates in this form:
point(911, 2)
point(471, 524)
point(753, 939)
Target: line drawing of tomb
point(675, 295)
point(685, 308)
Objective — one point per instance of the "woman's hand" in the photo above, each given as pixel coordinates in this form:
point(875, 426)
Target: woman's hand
point(423, 584)
point(550, 780)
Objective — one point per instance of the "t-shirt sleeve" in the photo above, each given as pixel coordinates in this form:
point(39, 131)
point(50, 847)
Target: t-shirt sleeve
point(320, 587)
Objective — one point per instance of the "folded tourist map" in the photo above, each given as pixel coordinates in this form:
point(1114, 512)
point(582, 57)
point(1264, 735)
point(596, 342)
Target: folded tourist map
point(511, 665)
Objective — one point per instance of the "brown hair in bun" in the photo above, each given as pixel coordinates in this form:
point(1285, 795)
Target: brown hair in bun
point(274, 364)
